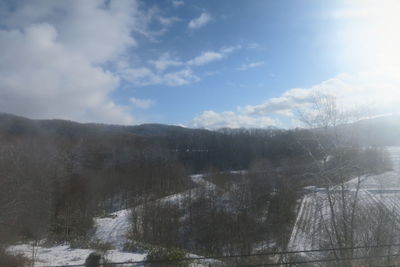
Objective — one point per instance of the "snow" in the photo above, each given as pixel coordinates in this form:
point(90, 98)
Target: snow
point(199, 180)
point(386, 181)
point(201, 183)
point(382, 189)
point(64, 255)
point(113, 229)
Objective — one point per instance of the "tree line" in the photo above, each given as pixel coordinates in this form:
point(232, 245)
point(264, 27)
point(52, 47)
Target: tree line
point(56, 176)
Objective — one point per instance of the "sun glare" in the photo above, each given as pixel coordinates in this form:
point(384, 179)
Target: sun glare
point(370, 34)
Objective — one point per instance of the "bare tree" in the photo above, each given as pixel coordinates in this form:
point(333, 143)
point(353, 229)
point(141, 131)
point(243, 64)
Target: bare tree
point(345, 220)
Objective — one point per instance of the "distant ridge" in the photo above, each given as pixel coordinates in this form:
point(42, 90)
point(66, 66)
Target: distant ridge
point(376, 131)
point(18, 125)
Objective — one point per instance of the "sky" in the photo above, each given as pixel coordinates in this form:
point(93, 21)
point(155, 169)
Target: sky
point(197, 63)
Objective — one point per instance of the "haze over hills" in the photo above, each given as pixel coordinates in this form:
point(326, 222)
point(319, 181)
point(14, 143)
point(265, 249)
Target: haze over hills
point(21, 125)
point(143, 178)
point(383, 130)
point(265, 123)
point(380, 131)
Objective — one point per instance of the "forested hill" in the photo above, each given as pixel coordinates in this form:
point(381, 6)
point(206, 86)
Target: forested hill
point(62, 174)
point(380, 131)
point(23, 126)
point(198, 150)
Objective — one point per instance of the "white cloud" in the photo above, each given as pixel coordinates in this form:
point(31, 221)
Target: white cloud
point(96, 32)
point(210, 56)
point(177, 3)
point(161, 74)
point(51, 56)
point(141, 76)
point(201, 21)
point(206, 57)
point(251, 65)
point(377, 91)
point(54, 54)
point(181, 77)
point(167, 21)
point(230, 49)
point(283, 105)
point(213, 120)
point(363, 94)
point(165, 61)
point(142, 103)
point(145, 77)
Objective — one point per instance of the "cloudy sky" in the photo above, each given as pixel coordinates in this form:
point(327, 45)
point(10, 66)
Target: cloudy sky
point(207, 63)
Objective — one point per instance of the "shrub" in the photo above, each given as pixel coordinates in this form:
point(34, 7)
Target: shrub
point(8, 260)
point(135, 247)
point(79, 243)
point(97, 245)
point(166, 257)
point(101, 246)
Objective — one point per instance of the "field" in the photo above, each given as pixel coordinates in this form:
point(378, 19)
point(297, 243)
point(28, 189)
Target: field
point(377, 195)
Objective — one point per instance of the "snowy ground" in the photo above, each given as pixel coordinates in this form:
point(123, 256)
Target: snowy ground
point(64, 255)
point(112, 229)
point(383, 189)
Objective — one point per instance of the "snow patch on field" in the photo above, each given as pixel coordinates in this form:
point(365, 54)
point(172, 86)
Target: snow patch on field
point(64, 255)
point(178, 198)
point(382, 189)
point(113, 228)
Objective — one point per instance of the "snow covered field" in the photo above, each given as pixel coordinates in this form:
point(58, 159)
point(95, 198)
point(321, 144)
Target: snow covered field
point(112, 229)
point(64, 255)
point(382, 190)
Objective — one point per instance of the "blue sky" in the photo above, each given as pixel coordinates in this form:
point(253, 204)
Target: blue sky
point(205, 64)
point(278, 45)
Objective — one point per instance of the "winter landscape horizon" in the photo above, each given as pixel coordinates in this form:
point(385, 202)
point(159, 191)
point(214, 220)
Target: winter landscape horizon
point(199, 133)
